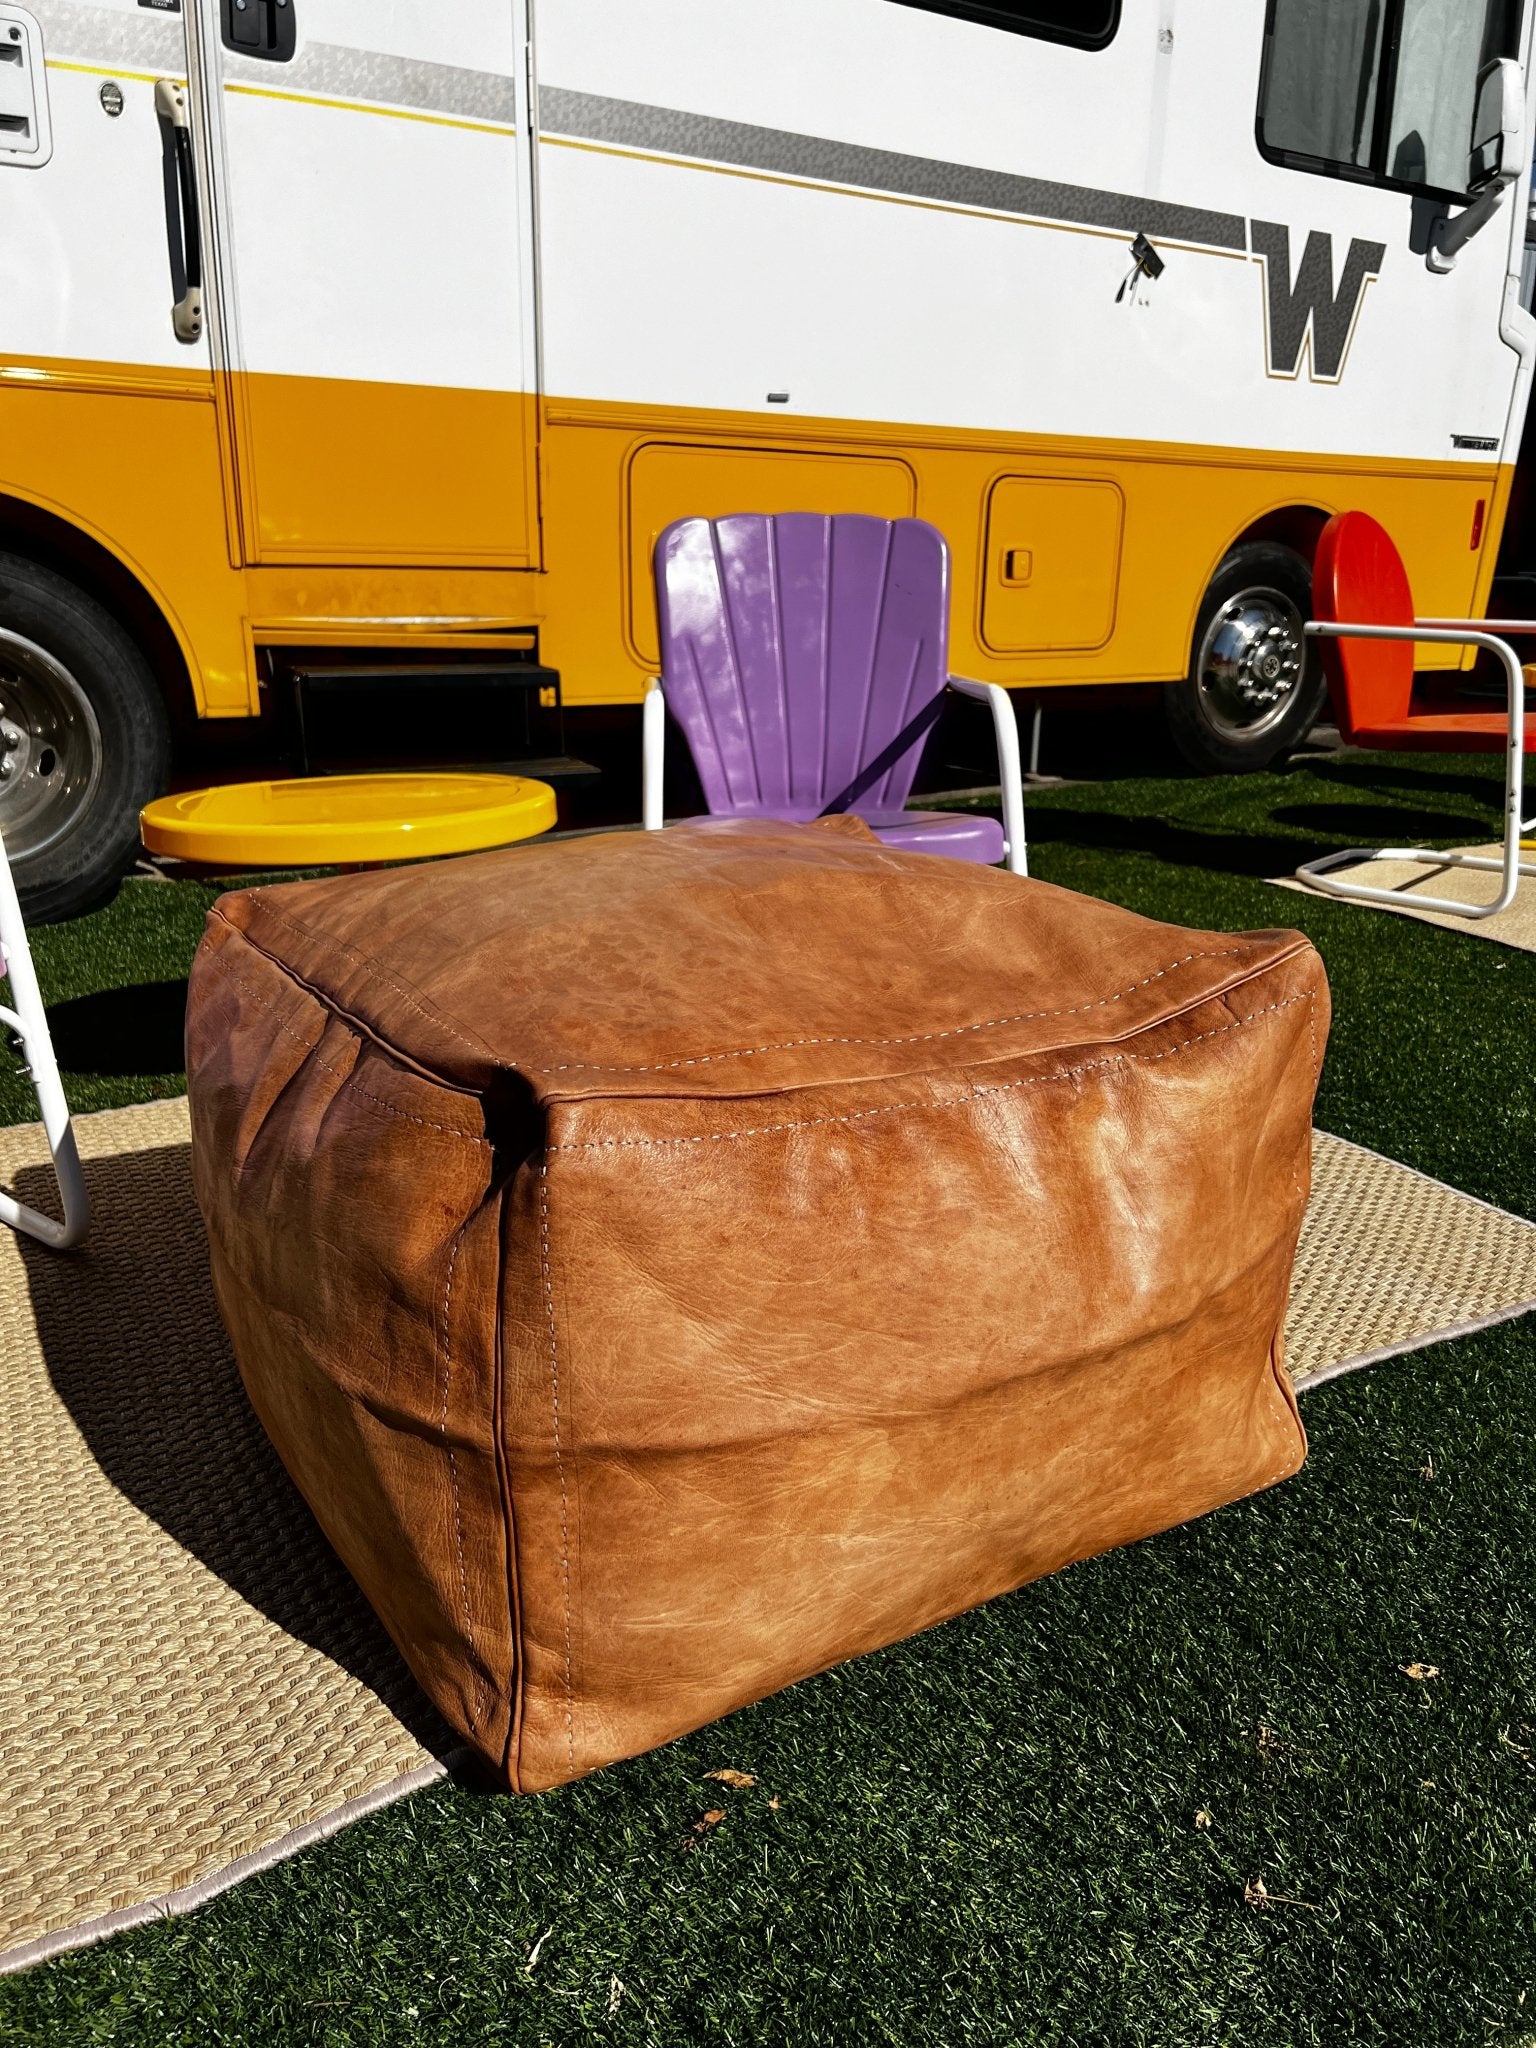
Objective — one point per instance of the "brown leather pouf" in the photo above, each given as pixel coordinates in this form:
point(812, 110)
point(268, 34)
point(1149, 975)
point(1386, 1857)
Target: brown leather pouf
point(671, 1263)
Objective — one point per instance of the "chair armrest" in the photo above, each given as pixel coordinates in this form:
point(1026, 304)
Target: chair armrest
point(1468, 635)
point(653, 748)
point(1484, 625)
point(1005, 731)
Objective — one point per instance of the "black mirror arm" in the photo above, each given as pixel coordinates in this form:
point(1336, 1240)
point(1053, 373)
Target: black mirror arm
point(1448, 236)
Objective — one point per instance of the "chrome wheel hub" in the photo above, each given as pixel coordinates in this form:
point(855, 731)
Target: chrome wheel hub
point(50, 747)
point(1251, 662)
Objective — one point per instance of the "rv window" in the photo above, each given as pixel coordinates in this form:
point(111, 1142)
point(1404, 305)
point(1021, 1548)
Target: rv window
point(1088, 23)
point(1380, 89)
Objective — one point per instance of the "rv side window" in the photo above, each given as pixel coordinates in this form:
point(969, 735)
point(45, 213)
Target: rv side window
point(1380, 89)
point(1088, 23)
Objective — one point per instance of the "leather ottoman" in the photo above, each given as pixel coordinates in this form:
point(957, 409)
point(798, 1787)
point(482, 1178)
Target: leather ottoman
point(671, 1263)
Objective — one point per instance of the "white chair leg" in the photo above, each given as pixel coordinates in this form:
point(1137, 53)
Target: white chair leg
point(653, 746)
point(1005, 728)
point(1316, 873)
point(29, 1021)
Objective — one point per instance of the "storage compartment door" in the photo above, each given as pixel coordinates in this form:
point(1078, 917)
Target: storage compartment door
point(1053, 563)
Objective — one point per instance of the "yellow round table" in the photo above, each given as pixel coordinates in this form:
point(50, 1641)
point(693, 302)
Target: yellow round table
point(331, 819)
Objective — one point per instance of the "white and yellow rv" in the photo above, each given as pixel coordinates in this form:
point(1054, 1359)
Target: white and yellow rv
point(394, 329)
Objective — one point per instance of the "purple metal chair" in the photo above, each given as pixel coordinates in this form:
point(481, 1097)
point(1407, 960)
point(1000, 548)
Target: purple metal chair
point(805, 656)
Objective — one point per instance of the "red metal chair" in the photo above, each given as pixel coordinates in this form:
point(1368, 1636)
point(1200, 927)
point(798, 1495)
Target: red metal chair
point(1366, 624)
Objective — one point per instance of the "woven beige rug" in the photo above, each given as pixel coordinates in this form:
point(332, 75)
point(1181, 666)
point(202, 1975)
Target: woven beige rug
point(1420, 884)
point(1390, 1260)
point(190, 1686)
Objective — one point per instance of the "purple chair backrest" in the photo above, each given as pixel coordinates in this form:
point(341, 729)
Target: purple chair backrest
point(795, 647)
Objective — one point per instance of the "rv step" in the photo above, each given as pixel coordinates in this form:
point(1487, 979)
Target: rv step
point(525, 690)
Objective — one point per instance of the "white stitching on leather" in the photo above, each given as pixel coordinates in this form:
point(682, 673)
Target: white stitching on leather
point(747, 1052)
point(311, 1046)
point(565, 1512)
point(1317, 1058)
point(1316, 1077)
point(453, 1473)
point(892, 1108)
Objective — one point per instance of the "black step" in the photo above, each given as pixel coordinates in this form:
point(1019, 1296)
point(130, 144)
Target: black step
point(487, 675)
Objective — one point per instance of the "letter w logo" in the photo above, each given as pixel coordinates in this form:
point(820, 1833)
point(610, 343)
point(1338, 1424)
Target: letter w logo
point(1310, 314)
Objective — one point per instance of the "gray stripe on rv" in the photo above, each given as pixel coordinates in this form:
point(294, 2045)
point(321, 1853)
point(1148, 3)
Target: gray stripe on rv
point(102, 35)
point(374, 79)
point(629, 124)
point(154, 42)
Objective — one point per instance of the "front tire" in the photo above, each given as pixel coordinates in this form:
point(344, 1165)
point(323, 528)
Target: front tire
point(1255, 684)
point(84, 741)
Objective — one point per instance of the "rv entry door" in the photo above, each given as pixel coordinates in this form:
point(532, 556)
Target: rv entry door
point(373, 250)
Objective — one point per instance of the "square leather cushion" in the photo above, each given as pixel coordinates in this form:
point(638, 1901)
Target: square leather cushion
point(671, 1263)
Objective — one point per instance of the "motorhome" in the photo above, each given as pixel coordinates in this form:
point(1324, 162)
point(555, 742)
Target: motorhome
point(345, 338)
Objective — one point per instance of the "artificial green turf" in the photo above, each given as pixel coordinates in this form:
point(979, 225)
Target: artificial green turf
point(989, 1835)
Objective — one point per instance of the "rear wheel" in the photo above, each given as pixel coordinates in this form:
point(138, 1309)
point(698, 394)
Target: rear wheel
point(84, 740)
point(1255, 685)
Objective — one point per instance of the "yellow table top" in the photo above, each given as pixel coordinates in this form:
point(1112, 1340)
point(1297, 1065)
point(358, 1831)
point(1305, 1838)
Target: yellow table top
point(325, 819)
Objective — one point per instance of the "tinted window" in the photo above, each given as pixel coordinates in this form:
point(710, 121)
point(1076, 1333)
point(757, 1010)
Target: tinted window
point(1382, 88)
point(1088, 23)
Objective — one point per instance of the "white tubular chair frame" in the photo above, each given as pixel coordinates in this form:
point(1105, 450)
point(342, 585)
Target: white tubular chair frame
point(653, 750)
point(1004, 726)
point(1509, 866)
point(1005, 730)
point(29, 1020)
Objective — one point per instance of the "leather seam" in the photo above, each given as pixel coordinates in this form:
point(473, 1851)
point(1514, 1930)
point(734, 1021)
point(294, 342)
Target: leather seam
point(916, 1038)
point(1317, 1062)
point(893, 1108)
point(517, 1659)
point(311, 1046)
point(421, 1004)
point(565, 1514)
point(1311, 1000)
point(453, 1474)
point(334, 1007)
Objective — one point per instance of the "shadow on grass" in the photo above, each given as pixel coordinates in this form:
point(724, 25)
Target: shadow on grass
point(135, 1030)
point(135, 1348)
point(1256, 855)
point(1374, 824)
point(1390, 779)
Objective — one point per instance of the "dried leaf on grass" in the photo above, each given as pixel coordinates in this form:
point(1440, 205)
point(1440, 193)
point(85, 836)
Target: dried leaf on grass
point(1202, 1819)
point(739, 1781)
point(533, 1953)
point(1420, 1670)
point(703, 1824)
point(1258, 1895)
point(615, 1993)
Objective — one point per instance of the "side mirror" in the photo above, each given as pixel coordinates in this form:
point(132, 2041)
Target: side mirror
point(1498, 124)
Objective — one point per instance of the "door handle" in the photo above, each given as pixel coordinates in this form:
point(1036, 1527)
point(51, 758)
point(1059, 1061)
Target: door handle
point(260, 28)
point(182, 223)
